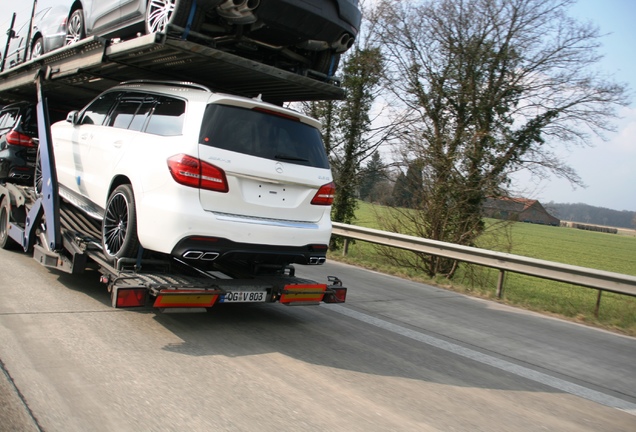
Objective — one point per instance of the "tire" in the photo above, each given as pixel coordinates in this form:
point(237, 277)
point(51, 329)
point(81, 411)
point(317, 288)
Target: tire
point(161, 13)
point(75, 29)
point(119, 227)
point(37, 49)
point(6, 242)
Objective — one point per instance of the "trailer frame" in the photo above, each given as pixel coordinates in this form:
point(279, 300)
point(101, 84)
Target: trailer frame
point(63, 238)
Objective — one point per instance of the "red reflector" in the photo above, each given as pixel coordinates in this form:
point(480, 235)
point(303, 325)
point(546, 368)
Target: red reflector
point(204, 239)
point(325, 195)
point(190, 171)
point(130, 297)
point(307, 293)
point(337, 295)
point(184, 299)
point(19, 139)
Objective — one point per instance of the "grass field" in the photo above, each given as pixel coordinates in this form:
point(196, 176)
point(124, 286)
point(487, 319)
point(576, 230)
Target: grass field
point(610, 252)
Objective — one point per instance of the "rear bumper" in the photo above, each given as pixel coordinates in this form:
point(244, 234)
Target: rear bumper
point(17, 163)
point(205, 249)
point(173, 222)
point(290, 22)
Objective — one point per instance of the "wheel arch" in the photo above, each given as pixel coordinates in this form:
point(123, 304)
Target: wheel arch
point(118, 181)
point(34, 37)
point(38, 34)
point(77, 4)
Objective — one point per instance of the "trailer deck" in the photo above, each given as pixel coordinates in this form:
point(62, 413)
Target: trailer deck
point(77, 73)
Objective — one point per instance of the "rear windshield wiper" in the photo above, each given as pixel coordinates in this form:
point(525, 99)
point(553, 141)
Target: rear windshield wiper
point(290, 158)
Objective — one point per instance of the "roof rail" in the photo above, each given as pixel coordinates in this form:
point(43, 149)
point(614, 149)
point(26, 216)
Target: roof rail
point(169, 83)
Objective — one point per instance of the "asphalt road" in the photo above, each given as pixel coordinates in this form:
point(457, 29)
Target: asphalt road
point(398, 356)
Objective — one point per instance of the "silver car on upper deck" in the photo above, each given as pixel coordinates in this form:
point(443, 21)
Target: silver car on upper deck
point(304, 36)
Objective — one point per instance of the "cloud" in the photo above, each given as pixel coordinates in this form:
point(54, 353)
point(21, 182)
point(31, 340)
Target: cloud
point(625, 139)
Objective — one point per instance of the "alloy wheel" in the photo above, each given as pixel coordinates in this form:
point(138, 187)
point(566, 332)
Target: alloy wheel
point(75, 27)
point(159, 14)
point(116, 224)
point(37, 49)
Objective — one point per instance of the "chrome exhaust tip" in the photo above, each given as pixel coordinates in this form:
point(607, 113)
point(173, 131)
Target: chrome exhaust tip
point(317, 260)
point(210, 256)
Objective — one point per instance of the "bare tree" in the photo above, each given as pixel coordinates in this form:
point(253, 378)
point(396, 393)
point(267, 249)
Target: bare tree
point(348, 131)
point(490, 87)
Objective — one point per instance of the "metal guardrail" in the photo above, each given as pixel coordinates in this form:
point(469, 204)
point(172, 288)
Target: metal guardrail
point(576, 275)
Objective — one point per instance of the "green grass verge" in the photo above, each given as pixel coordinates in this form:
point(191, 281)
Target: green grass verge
point(595, 250)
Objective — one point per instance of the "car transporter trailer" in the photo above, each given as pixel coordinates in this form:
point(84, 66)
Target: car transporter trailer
point(64, 238)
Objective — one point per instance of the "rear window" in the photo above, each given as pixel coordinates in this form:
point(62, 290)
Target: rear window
point(26, 116)
point(263, 135)
point(8, 118)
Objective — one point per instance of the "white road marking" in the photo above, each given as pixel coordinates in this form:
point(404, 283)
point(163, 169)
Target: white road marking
point(550, 381)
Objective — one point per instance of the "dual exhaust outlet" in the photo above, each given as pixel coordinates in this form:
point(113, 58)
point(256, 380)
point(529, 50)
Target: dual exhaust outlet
point(211, 256)
point(238, 11)
point(19, 176)
point(200, 255)
point(317, 260)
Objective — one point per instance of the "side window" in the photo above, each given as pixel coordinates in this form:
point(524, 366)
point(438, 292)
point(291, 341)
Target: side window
point(123, 113)
point(141, 116)
point(98, 110)
point(167, 117)
point(131, 112)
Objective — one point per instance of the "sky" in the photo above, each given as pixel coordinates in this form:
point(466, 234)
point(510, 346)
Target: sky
point(608, 168)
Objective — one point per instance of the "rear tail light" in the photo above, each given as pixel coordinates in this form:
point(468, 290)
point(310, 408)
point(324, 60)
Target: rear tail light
point(335, 295)
point(184, 298)
point(130, 297)
point(325, 195)
point(303, 294)
point(190, 171)
point(19, 139)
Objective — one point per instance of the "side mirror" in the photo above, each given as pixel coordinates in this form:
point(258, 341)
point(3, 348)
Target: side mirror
point(72, 117)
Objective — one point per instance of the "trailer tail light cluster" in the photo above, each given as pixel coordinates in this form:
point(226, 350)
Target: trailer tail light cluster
point(325, 195)
point(303, 294)
point(19, 139)
point(192, 172)
point(335, 295)
point(130, 297)
point(183, 298)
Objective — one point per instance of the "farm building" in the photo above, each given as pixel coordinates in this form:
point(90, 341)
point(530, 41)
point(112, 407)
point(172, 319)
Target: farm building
point(519, 209)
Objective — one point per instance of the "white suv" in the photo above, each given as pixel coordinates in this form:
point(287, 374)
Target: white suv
point(178, 169)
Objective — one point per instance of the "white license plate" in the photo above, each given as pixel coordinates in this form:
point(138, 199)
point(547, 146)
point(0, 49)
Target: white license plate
point(244, 297)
